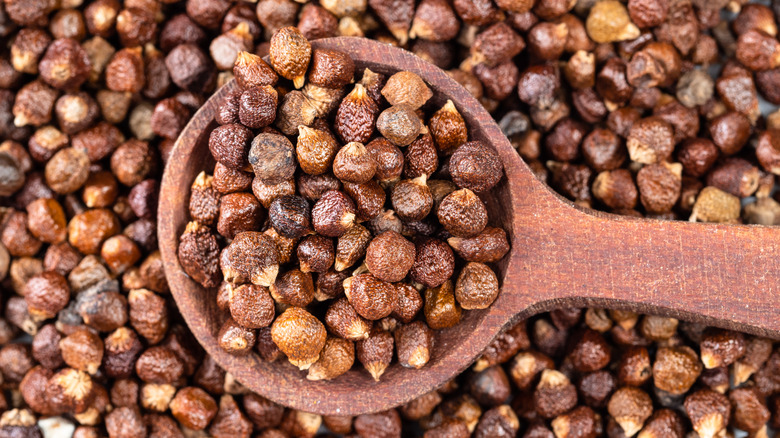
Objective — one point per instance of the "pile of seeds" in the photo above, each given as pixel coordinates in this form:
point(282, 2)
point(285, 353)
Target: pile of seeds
point(346, 244)
point(153, 62)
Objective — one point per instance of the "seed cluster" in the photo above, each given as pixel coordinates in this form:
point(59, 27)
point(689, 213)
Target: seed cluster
point(87, 323)
point(364, 227)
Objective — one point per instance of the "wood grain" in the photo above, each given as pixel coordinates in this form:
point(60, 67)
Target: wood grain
point(561, 256)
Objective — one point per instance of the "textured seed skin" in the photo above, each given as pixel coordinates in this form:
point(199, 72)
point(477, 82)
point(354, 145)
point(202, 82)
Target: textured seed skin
point(251, 306)
point(331, 68)
point(251, 257)
point(333, 214)
point(65, 65)
point(342, 319)
point(294, 288)
point(390, 256)
point(272, 157)
point(412, 199)
point(290, 54)
point(356, 116)
point(198, 254)
point(477, 286)
point(257, 106)
point(376, 352)
point(414, 344)
point(448, 128)
point(369, 198)
point(352, 246)
point(315, 150)
point(476, 166)
point(299, 335)
point(230, 143)
point(399, 124)
point(434, 262)
point(251, 71)
point(290, 216)
point(462, 214)
point(315, 253)
point(236, 339)
point(371, 297)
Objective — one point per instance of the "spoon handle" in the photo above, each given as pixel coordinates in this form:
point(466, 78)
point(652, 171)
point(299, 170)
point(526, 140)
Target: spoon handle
point(724, 275)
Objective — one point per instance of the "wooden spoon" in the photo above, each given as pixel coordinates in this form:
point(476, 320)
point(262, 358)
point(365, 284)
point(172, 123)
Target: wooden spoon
point(562, 256)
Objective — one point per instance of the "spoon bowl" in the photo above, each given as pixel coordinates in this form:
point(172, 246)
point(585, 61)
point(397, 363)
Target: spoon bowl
point(562, 256)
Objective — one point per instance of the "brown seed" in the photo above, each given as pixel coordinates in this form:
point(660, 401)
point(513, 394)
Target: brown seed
point(198, 254)
point(342, 319)
point(120, 253)
point(315, 253)
point(434, 262)
point(352, 246)
point(554, 395)
point(251, 257)
point(293, 288)
point(730, 132)
point(46, 294)
point(148, 314)
point(676, 369)
point(331, 68)
point(697, 156)
point(193, 407)
point(371, 297)
point(229, 144)
point(414, 344)
point(236, 339)
point(390, 256)
point(204, 200)
point(272, 157)
point(708, 411)
point(412, 199)
point(526, 367)
point(268, 193)
point(159, 365)
point(721, 347)
point(434, 20)
point(336, 358)
point(330, 285)
point(67, 170)
point(333, 214)
point(757, 352)
point(715, 205)
point(46, 220)
point(300, 336)
point(251, 71)
point(257, 106)
point(251, 306)
point(659, 186)
point(750, 413)
point(353, 163)
point(487, 247)
point(462, 214)
point(356, 116)
point(399, 124)
point(650, 140)
point(735, 176)
point(610, 22)
point(375, 352)
point(477, 286)
point(290, 54)
point(441, 309)
point(239, 212)
point(315, 150)
point(630, 407)
point(34, 104)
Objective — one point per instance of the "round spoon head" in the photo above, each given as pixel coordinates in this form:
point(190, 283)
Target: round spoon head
point(354, 392)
